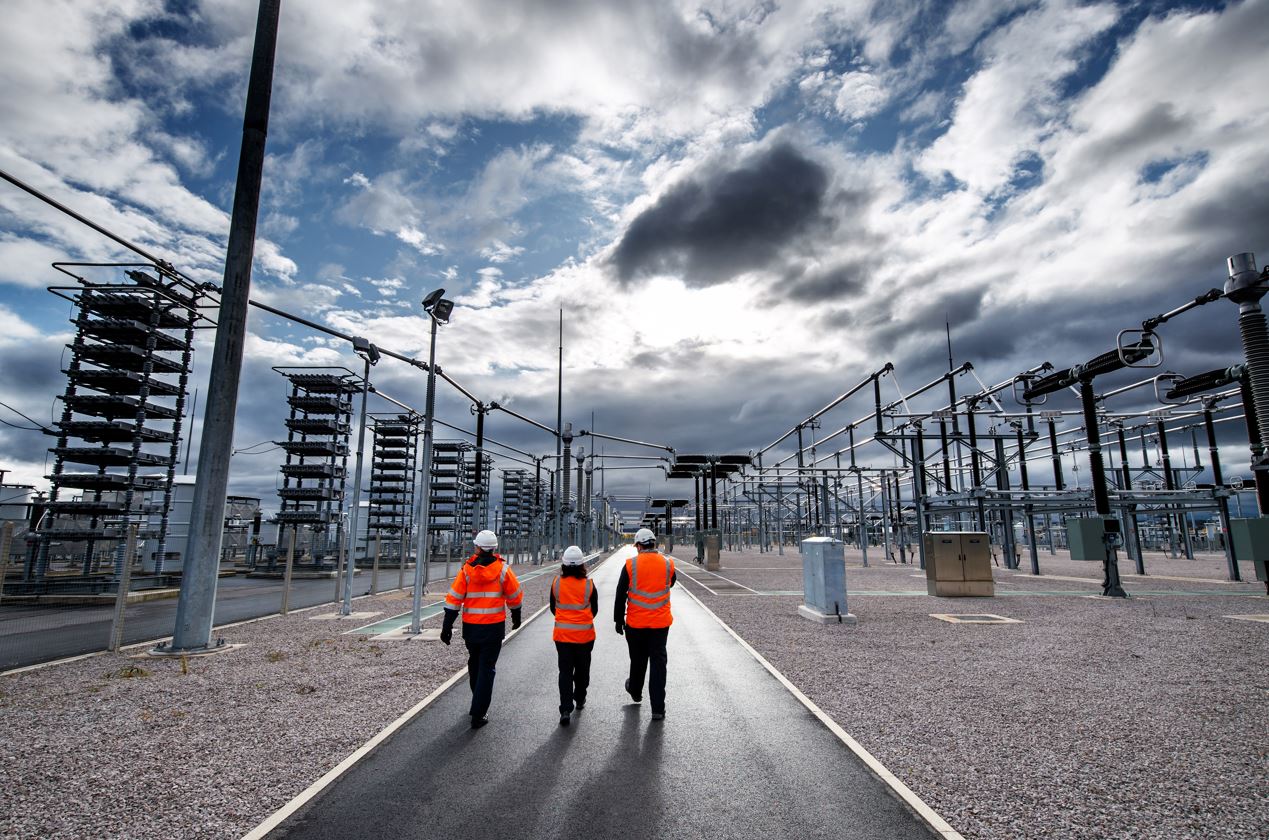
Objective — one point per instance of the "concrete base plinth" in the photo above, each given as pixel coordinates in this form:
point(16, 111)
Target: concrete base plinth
point(821, 618)
point(169, 653)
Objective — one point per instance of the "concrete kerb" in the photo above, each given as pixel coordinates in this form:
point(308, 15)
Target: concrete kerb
point(901, 791)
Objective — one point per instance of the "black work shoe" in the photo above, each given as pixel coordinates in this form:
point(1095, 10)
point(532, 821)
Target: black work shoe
point(658, 715)
point(564, 720)
point(580, 706)
point(638, 698)
point(477, 722)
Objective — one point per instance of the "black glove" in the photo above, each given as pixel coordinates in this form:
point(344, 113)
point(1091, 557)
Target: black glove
point(447, 633)
point(515, 619)
point(621, 629)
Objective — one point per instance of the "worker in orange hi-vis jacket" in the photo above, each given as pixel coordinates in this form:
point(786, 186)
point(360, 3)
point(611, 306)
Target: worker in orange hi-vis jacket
point(574, 603)
point(483, 590)
point(642, 614)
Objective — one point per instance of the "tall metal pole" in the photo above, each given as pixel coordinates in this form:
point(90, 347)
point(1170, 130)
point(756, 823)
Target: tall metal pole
point(1221, 500)
point(354, 519)
point(562, 510)
point(1136, 551)
point(919, 490)
point(423, 520)
point(1165, 456)
point(479, 512)
point(762, 522)
point(1218, 480)
point(1026, 489)
point(581, 498)
point(713, 496)
point(1101, 496)
point(559, 431)
point(196, 605)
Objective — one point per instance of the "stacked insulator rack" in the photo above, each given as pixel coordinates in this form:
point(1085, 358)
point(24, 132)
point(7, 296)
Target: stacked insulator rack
point(316, 466)
point(476, 496)
point(390, 506)
point(517, 505)
point(449, 510)
point(119, 436)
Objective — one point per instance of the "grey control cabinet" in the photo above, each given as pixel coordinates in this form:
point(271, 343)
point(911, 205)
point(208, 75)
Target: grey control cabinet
point(1086, 537)
point(1251, 542)
point(824, 581)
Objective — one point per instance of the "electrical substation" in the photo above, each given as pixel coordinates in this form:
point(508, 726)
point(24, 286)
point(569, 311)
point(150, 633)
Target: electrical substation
point(1083, 501)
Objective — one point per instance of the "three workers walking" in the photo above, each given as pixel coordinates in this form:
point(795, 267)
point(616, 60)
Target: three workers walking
point(485, 587)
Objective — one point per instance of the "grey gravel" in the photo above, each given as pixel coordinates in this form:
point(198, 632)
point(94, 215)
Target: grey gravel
point(90, 752)
point(1091, 719)
point(1094, 718)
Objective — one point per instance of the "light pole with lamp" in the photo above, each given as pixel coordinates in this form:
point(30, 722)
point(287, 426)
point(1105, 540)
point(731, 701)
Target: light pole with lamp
point(438, 310)
point(362, 347)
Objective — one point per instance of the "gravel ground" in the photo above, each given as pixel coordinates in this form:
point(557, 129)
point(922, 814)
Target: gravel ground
point(1094, 718)
point(96, 748)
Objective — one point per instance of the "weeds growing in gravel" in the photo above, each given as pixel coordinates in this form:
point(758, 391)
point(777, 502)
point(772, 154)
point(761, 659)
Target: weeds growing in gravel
point(127, 672)
point(275, 656)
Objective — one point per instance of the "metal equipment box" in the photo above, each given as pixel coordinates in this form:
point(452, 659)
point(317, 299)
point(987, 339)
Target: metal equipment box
point(1086, 537)
point(713, 544)
point(958, 564)
point(1251, 542)
point(824, 581)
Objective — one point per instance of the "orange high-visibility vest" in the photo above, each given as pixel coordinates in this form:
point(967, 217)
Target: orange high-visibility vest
point(648, 598)
point(574, 622)
point(483, 593)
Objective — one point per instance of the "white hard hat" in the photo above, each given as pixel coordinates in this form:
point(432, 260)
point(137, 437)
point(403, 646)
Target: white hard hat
point(487, 540)
point(643, 535)
point(573, 556)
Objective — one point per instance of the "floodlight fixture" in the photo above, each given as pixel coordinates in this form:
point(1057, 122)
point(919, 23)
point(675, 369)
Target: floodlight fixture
point(436, 305)
point(364, 348)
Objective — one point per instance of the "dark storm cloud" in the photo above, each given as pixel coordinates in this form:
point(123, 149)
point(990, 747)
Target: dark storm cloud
point(813, 286)
point(709, 229)
point(32, 367)
point(1159, 122)
point(1225, 220)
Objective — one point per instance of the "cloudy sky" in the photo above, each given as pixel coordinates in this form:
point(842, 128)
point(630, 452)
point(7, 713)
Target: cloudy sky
point(743, 208)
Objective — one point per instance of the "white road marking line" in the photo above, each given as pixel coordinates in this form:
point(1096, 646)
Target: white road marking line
point(931, 817)
point(279, 816)
point(276, 819)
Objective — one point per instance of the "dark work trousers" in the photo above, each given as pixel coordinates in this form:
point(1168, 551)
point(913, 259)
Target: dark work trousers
point(484, 643)
point(647, 644)
point(574, 659)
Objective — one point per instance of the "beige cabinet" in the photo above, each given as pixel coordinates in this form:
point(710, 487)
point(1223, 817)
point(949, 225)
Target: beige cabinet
point(958, 563)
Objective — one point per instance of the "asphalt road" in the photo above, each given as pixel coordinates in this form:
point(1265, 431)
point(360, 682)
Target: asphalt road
point(737, 756)
point(30, 634)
